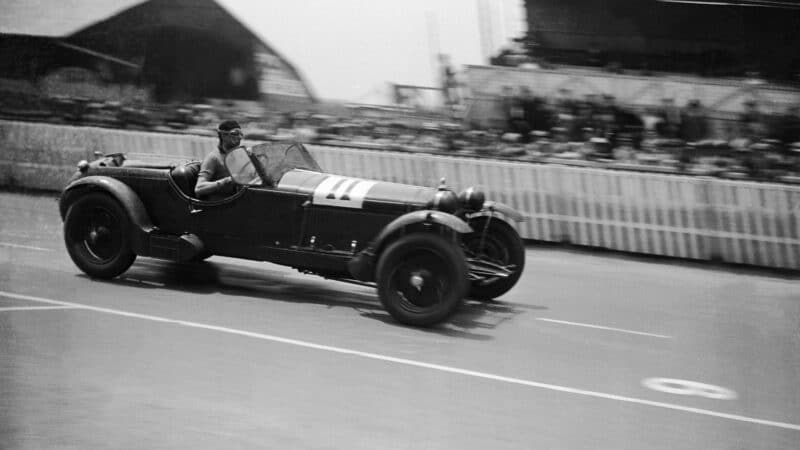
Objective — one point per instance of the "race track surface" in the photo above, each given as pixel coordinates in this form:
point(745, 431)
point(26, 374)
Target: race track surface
point(587, 352)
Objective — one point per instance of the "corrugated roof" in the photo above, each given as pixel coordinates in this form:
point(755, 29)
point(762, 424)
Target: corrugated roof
point(56, 18)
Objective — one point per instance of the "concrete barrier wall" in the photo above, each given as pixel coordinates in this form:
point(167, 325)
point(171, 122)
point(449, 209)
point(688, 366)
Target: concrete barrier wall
point(669, 215)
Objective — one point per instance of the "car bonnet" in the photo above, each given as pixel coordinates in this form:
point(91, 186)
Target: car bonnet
point(348, 192)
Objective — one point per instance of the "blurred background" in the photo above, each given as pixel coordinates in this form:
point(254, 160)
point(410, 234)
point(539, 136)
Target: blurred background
point(699, 88)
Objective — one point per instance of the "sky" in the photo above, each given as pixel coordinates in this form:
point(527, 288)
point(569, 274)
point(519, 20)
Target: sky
point(350, 49)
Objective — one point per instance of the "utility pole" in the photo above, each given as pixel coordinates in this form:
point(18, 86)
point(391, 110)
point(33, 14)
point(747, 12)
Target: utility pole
point(485, 29)
point(433, 44)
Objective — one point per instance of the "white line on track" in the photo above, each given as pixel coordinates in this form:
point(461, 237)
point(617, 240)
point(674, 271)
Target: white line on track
point(26, 247)
point(621, 330)
point(409, 362)
point(34, 308)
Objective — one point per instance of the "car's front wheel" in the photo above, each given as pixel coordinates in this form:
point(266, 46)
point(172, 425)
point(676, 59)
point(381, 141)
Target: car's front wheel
point(422, 279)
point(497, 243)
point(97, 236)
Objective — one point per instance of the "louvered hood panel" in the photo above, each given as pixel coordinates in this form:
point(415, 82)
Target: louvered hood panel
point(348, 192)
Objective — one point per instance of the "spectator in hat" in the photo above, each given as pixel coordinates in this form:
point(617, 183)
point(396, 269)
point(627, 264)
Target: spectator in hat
point(693, 125)
point(630, 123)
point(601, 149)
point(670, 121)
point(564, 101)
point(564, 118)
point(517, 121)
point(585, 147)
point(651, 121)
point(538, 114)
point(624, 151)
point(529, 104)
point(585, 119)
point(508, 103)
point(751, 121)
point(560, 139)
point(214, 181)
point(449, 82)
point(787, 128)
point(607, 118)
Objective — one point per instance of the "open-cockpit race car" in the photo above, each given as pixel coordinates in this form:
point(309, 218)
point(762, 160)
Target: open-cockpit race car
point(425, 249)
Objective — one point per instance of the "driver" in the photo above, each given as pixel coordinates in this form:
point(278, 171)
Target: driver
point(214, 181)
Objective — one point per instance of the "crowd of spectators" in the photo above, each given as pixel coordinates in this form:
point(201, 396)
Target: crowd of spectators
point(592, 131)
point(668, 137)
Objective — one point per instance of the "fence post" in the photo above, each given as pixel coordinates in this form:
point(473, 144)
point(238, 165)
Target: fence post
point(711, 224)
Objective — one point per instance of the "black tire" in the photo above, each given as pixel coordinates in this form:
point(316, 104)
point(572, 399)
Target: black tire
point(501, 245)
point(433, 262)
point(97, 236)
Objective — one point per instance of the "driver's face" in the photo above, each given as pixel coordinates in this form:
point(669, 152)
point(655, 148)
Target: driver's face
point(231, 139)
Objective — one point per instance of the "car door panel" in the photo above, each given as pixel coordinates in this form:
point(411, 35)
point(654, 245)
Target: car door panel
point(250, 223)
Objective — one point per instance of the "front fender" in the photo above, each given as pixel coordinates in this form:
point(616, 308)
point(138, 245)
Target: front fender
point(142, 225)
point(490, 207)
point(362, 266)
point(425, 216)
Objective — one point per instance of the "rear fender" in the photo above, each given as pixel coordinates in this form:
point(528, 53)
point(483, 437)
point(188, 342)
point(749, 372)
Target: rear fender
point(362, 266)
point(142, 226)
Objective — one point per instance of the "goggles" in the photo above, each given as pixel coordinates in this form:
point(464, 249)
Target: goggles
point(233, 133)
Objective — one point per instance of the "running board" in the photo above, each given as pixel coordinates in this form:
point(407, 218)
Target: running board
point(175, 248)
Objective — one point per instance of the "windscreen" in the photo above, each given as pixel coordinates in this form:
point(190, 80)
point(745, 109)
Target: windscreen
point(282, 157)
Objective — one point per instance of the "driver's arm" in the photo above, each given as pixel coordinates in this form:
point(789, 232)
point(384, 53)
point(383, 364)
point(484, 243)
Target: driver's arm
point(206, 188)
point(206, 184)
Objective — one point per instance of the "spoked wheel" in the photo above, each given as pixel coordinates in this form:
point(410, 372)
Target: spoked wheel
point(499, 245)
point(97, 233)
point(422, 279)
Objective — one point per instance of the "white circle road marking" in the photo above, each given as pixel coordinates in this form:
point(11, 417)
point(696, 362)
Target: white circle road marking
point(409, 362)
point(686, 387)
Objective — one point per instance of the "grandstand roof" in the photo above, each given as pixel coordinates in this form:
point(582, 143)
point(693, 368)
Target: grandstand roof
point(707, 36)
point(31, 17)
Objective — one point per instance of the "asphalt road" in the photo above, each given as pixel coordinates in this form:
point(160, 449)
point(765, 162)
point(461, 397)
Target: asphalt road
point(587, 352)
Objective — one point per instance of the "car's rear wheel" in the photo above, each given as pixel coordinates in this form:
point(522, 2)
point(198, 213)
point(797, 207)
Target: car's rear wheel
point(500, 245)
point(97, 236)
point(422, 279)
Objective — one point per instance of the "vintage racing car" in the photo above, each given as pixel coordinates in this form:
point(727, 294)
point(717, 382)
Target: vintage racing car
point(424, 248)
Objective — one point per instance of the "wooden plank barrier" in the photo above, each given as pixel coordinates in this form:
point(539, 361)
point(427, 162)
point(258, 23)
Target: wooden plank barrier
point(680, 216)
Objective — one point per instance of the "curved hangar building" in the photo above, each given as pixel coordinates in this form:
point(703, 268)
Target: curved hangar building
point(181, 50)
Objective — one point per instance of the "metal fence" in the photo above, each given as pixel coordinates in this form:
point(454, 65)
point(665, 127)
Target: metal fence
point(669, 215)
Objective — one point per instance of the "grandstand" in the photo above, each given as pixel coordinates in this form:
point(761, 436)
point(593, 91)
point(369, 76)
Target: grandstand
point(723, 54)
point(710, 38)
